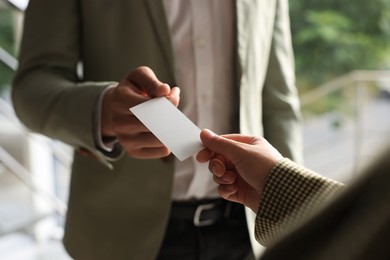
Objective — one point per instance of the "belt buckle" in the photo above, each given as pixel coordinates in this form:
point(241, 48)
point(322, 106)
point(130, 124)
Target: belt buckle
point(198, 213)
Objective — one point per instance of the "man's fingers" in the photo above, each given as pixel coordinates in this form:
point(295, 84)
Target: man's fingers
point(217, 167)
point(221, 145)
point(228, 192)
point(174, 96)
point(229, 177)
point(247, 139)
point(145, 79)
point(149, 153)
point(204, 155)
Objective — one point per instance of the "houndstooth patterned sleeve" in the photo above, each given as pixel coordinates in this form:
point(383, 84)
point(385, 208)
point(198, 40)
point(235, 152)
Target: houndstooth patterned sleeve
point(290, 195)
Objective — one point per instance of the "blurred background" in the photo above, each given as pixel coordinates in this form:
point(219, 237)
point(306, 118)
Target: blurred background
point(342, 55)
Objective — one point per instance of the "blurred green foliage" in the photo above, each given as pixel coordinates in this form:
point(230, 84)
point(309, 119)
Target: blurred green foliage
point(7, 42)
point(333, 37)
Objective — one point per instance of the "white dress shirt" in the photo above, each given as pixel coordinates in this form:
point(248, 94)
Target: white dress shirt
point(202, 35)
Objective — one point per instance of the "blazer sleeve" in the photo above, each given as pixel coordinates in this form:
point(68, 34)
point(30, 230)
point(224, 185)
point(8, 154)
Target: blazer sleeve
point(291, 194)
point(281, 107)
point(48, 95)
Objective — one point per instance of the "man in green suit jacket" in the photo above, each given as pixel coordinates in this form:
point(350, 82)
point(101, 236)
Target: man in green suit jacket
point(72, 56)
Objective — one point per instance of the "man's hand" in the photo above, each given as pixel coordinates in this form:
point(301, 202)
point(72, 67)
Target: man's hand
point(117, 121)
point(240, 165)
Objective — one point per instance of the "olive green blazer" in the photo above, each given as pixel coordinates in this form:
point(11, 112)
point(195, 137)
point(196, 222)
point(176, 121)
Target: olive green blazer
point(72, 49)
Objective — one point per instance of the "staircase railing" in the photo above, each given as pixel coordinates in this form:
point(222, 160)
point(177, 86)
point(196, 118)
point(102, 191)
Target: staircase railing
point(17, 168)
point(357, 82)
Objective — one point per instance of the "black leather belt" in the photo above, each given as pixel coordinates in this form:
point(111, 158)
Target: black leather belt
point(203, 212)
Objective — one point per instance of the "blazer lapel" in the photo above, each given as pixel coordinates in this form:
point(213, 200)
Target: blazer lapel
point(253, 16)
point(158, 17)
point(243, 21)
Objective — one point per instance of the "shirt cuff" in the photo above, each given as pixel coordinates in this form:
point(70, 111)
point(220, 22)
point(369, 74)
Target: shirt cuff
point(108, 145)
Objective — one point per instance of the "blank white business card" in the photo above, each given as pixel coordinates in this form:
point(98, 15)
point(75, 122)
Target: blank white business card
point(170, 126)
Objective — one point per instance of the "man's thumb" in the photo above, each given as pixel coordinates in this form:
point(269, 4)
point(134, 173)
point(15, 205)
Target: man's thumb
point(220, 145)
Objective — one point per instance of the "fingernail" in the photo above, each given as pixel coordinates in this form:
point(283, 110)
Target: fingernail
point(178, 91)
point(218, 170)
point(209, 132)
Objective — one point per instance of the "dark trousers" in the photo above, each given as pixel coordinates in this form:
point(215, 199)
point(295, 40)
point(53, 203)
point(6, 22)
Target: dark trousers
point(217, 230)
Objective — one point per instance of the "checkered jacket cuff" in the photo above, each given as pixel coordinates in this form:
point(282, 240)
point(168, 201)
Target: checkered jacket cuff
point(291, 194)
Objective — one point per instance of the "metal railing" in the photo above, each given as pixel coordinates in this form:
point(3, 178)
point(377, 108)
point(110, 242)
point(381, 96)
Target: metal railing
point(17, 168)
point(357, 83)
point(349, 79)
point(7, 59)
point(25, 176)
